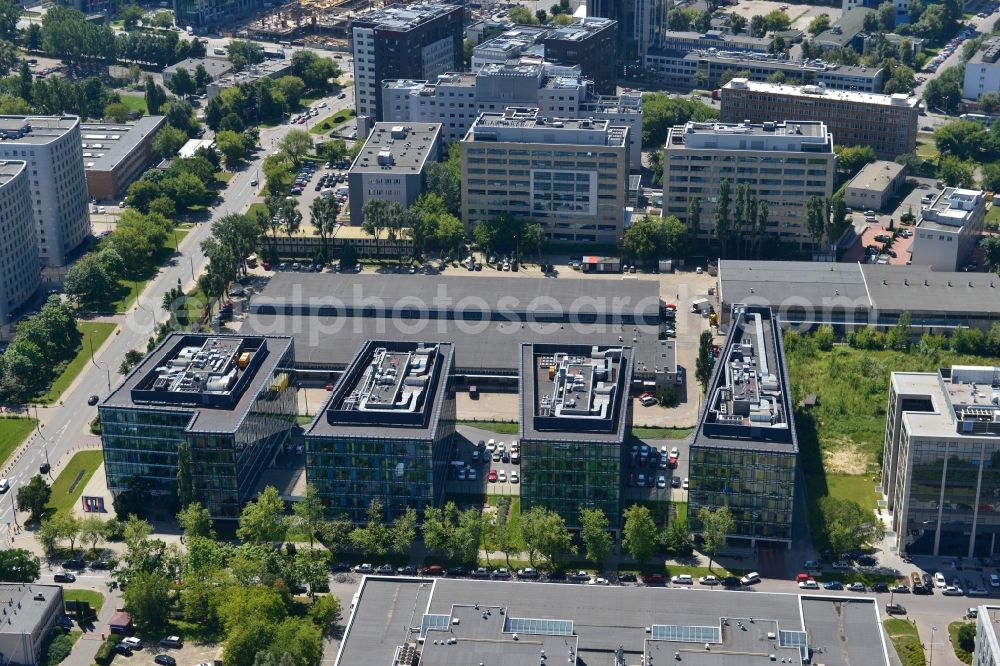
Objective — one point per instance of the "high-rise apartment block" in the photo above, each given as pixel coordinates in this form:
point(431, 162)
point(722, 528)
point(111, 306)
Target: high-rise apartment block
point(576, 417)
point(386, 431)
point(568, 174)
point(418, 41)
point(19, 265)
point(456, 99)
point(783, 163)
point(887, 123)
point(640, 24)
point(940, 476)
point(52, 148)
point(744, 450)
point(231, 399)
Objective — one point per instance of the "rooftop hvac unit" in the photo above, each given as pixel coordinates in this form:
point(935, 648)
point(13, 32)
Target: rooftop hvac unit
point(385, 158)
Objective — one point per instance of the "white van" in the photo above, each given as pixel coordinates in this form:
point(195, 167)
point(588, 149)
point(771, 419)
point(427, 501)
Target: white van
point(682, 579)
point(940, 581)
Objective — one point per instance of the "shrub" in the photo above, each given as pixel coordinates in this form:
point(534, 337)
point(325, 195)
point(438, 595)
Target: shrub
point(106, 652)
point(58, 649)
point(668, 396)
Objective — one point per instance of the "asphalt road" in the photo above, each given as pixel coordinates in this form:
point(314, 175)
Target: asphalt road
point(64, 427)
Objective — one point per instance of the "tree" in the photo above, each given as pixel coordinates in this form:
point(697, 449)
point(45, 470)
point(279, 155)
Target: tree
point(851, 159)
point(201, 77)
point(652, 237)
point(232, 146)
point(545, 534)
point(293, 88)
point(715, 525)
point(944, 92)
point(260, 522)
point(660, 112)
point(325, 611)
point(117, 112)
point(323, 214)
point(296, 144)
point(89, 282)
point(403, 531)
point(242, 54)
point(33, 496)
point(445, 180)
point(819, 24)
point(954, 172)
point(67, 526)
point(182, 83)
point(594, 533)
point(147, 599)
point(17, 565)
point(155, 96)
point(758, 26)
point(991, 253)
point(375, 218)
point(185, 480)
point(130, 15)
point(522, 15)
point(964, 139)
point(639, 533)
point(196, 521)
point(737, 23)
point(308, 515)
point(816, 219)
point(967, 637)
point(899, 336)
point(989, 102)
point(168, 141)
point(374, 537)
point(723, 228)
point(676, 539)
point(705, 361)
point(93, 530)
point(849, 526)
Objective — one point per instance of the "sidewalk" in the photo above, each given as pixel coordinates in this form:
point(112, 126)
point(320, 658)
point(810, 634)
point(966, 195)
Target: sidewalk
point(90, 642)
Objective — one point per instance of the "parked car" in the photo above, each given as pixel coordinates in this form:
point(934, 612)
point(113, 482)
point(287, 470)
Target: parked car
point(432, 570)
point(458, 572)
point(729, 581)
point(501, 574)
point(895, 609)
point(580, 576)
point(708, 580)
point(171, 642)
point(879, 587)
point(952, 591)
point(64, 577)
point(682, 579)
point(76, 565)
point(809, 584)
point(481, 572)
point(528, 573)
point(627, 577)
point(856, 587)
point(133, 642)
point(165, 660)
point(654, 579)
point(407, 571)
point(385, 570)
point(365, 568)
point(899, 589)
point(751, 578)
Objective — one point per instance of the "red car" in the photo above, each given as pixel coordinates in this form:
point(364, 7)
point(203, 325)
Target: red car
point(802, 577)
point(645, 395)
point(493, 476)
point(432, 570)
point(266, 265)
point(654, 579)
point(672, 462)
point(670, 306)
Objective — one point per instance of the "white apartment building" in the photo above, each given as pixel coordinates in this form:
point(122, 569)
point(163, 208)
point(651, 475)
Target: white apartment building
point(982, 71)
point(783, 163)
point(391, 165)
point(52, 149)
point(568, 174)
point(456, 99)
point(948, 229)
point(19, 267)
point(987, 652)
point(939, 480)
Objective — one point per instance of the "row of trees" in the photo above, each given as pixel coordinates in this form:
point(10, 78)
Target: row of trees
point(42, 345)
point(651, 238)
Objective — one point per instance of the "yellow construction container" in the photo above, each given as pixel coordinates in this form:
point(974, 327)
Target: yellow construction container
point(244, 360)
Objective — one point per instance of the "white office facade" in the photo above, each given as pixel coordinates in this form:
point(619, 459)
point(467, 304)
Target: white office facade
point(20, 272)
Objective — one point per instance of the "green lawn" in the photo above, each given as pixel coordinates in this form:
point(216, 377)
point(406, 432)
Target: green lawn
point(328, 124)
point(95, 599)
point(859, 488)
point(130, 288)
point(135, 102)
point(953, 629)
point(13, 431)
point(303, 419)
point(223, 177)
point(993, 216)
point(662, 433)
point(906, 641)
point(69, 485)
point(926, 150)
point(499, 427)
point(93, 333)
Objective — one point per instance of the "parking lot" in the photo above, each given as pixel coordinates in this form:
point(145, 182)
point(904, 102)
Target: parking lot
point(648, 467)
point(468, 456)
point(191, 653)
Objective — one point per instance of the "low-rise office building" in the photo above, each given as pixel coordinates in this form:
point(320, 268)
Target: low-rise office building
point(30, 612)
point(887, 123)
point(711, 68)
point(498, 622)
point(568, 174)
point(456, 99)
point(948, 229)
point(982, 71)
point(875, 185)
point(575, 418)
point(216, 68)
point(231, 399)
point(386, 431)
point(19, 265)
point(117, 154)
point(672, 40)
point(784, 164)
point(940, 485)
point(847, 33)
point(745, 448)
point(853, 295)
point(270, 69)
point(391, 165)
point(51, 146)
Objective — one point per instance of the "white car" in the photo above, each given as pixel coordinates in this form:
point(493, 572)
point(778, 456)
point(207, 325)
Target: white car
point(751, 578)
point(4, 485)
point(809, 585)
point(133, 642)
point(598, 581)
point(708, 580)
point(682, 579)
point(514, 478)
point(675, 452)
point(501, 476)
point(661, 481)
point(684, 484)
point(952, 591)
point(491, 445)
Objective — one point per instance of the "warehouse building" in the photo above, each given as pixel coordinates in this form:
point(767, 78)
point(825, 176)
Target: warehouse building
point(495, 622)
point(745, 448)
point(875, 185)
point(231, 399)
point(574, 406)
point(846, 296)
point(117, 154)
point(385, 432)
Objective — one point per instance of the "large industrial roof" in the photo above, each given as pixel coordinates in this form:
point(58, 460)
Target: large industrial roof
point(587, 624)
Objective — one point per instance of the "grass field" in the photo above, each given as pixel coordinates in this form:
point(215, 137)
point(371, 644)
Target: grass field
point(926, 149)
point(953, 629)
point(69, 485)
point(93, 332)
point(13, 431)
point(662, 433)
point(841, 438)
point(499, 427)
point(223, 177)
point(135, 102)
point(95, 599)
point(906, 641)
point(330, 123)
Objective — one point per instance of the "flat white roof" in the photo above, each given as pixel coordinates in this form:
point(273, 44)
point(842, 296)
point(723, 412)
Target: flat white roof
point(855, 96)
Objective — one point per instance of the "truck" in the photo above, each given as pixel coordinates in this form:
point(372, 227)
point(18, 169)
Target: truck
point(701, 305)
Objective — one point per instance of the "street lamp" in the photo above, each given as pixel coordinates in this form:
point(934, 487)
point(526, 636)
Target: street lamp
point(930, 656)
point(103, 366)
point(45, 447)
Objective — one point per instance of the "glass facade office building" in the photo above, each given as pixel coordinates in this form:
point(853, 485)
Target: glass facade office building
point(386, 431)
point(229, 447)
